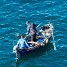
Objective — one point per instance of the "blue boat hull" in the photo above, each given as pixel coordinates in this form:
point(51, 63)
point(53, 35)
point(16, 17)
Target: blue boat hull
point(24, 51)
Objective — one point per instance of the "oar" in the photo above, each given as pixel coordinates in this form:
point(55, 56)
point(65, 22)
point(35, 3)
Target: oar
point(52, 28)
point(38, 25)
point(54, 42)
point(17, 34)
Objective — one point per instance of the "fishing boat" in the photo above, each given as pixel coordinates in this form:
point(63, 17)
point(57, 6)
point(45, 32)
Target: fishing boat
point(43, 37)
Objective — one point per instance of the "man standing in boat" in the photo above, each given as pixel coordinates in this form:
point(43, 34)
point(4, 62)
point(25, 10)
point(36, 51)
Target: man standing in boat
point(21, 44)
point(31, 30)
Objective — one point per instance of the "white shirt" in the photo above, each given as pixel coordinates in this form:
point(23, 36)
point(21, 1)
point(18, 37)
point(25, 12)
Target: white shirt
point(22, 44)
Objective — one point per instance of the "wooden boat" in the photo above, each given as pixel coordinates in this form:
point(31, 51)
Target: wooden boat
point(43, 37)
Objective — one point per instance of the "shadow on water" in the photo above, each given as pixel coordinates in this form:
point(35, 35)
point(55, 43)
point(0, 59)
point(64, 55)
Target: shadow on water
point(35, 54)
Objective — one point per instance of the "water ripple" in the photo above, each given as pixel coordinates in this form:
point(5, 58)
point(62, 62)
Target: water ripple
point(14, 14)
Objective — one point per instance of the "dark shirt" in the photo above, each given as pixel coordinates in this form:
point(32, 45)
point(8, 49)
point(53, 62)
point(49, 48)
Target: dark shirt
point(31, 29)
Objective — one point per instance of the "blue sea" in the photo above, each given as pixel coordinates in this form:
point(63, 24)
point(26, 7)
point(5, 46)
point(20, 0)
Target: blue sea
point(13, 16)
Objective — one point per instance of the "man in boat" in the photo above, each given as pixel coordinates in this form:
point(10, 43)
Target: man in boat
point(31, 30)
point(21, 45)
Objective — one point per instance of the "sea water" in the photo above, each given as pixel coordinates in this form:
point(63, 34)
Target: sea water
point(13, 16)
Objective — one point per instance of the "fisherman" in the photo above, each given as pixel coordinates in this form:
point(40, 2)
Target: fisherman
point(31, 30)
point(22, 44)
